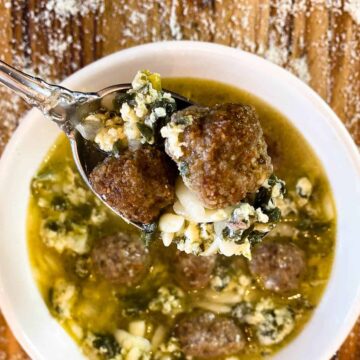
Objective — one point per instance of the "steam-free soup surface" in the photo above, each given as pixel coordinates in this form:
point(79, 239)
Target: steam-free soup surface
point(139, 318)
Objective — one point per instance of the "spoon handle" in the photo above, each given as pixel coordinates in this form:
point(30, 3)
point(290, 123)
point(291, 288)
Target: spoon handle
point(56, 102)
point(34, 91)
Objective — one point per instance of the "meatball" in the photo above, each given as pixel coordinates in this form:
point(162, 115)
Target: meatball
point(277, 266)
point(207, 335)
point(193, 272)
point(223, 151)
point(121, 258)
point(138, 184)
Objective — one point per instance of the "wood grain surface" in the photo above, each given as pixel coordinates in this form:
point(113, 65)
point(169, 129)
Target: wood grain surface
point(318, 40)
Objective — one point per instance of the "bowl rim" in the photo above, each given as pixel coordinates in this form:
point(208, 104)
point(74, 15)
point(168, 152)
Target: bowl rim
point(96, 67)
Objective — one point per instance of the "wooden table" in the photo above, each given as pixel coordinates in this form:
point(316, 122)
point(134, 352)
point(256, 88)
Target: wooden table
point(317, 40)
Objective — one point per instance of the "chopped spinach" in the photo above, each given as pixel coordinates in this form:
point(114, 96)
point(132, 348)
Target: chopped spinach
point(84, 212)
point(226, 233)
point(136, 302)
point(59, 203)
point(255, 237)
point(52, 225)
point(121, 98)
point(274, 214)
point(107, 345)
point(146, 131)
point(272, 180)
point(236, 236)
point(247, 232)
point(239, 236)
point(169, 106)
point(262, 197)
point(118, 147)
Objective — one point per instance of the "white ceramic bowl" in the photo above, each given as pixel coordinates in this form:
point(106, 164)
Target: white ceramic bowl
point(40, 334)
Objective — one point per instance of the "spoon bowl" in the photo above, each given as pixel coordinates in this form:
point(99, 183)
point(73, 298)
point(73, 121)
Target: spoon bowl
point(86, 153)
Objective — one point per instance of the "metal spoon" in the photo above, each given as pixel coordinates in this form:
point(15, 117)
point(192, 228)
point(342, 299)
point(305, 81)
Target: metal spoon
point(67, 108)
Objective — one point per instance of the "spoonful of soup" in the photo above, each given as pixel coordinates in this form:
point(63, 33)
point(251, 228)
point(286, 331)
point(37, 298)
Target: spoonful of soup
point(102, 123)
point(201, 176)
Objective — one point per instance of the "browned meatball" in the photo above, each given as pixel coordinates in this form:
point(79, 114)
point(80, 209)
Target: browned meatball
point(121, 258)
point(277, 266)
point(193, 272)
point(138, 184)
point(224, 153)
point(207, 335)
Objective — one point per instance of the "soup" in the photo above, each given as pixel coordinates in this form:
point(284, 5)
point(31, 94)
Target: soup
point(163, 310)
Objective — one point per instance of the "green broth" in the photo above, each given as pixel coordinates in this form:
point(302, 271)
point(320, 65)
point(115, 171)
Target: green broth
point(102, 307)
